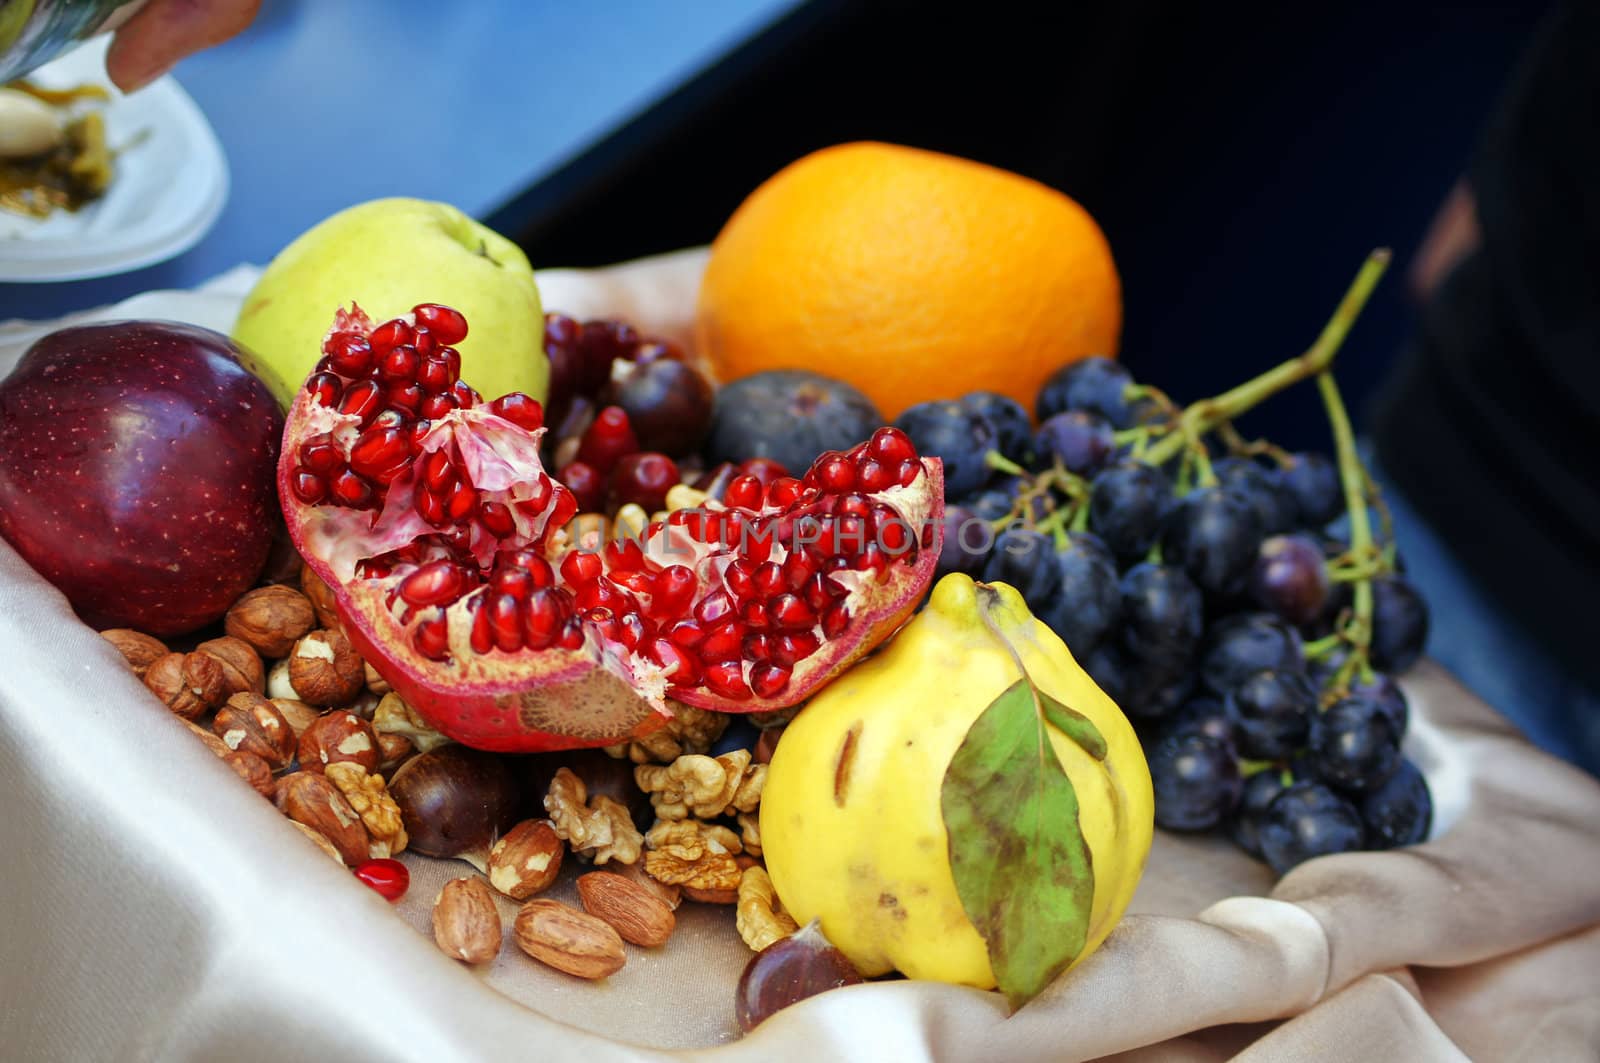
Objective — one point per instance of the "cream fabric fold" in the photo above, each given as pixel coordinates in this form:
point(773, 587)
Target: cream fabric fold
point(151, 907)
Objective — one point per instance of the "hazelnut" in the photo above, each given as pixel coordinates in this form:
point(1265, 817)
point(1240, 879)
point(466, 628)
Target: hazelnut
point(393, 749)
point(298, 714)
point(249, 723)
point(375, 682)
point(211, 741)
point(241, 667)
point(140, 650)
point(336, 737)
point(321, 842)
point(325, 670)
point(526, 860)
point(190, 684)
point(320, 597)
point(269, 619)
point(253, 770)
point(317, 803)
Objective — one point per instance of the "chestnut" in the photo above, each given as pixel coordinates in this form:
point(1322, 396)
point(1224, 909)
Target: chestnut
point(456, 801)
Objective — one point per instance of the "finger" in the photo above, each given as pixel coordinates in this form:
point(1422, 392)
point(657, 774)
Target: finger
point(164, 31)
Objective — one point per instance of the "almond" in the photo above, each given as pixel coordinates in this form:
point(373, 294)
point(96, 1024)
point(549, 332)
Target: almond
point(466, 923)
point(637, 914)
point(568, 940)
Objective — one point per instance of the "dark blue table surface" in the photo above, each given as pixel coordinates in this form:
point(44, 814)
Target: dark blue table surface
point(326, 103)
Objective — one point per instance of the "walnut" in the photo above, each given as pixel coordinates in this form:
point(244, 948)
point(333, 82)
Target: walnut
point(320, 595)
point(760, 917)
point(370, 798)
point(137, 648)
point(241, 668)
point(695, 855)
point(750, 832)
point(393, 716)
point(325, 670)
point(690, 730)
point(601, 830)
point(190, 684)
point(701, 786)
point(270, 619)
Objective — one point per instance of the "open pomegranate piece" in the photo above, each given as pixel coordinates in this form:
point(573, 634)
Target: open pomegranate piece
point(427, 511)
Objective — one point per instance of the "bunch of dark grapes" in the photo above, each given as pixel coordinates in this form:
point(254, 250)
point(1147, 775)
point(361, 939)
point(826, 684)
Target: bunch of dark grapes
point(1209, 598)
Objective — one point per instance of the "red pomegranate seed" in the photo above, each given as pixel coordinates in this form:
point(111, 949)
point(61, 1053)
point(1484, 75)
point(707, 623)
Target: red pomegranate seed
point(461, 501)
point(607, 439)
point(387, 878)
point(379, 449)
point(835, 474)
point(437, 472)
point(432, 637)
point(505, 621)
point(763, 469)
point(481, 637)
point(561, 510)
point(874, 476)
point(821, 592)
point(835, 620)
point(572, 637)
point(436, 406)
point(465, 394)
point(758, 647)
point(517, 582)
point(643, 479)
point(497, 518)
point(891, 446)
point(637, 582)
point(580, 568)
point(399, 365)
point(755, 536)
point(588, 487)
point(783, 491)
point(624, 554)
point(768, 679)
point(446, 323)
point(538, 496)
point(726, 679)
point(436, 583)
point(419, 432)
point(909, 471)
point(789, 612)
point(687, 633)
point(308, 487)
point(674, 589)
point(893, 534)
point(634, 631)
point(320, 455)
point(754, 614)
point(769, 579)
point(363, 400)
point(423, 339)
point(797, 570)
point(520, 410)
point(714, 607)
point(723, 642)
point(407, 396)
point(851, 505)
point(604, 622)
point(351, 490)
point(744, 492)
point(682, 669)
point(390, 334)
point(794, 646)
point(325, 388)
point(349, 353)
point(875, 559)
point(390, 418)
point(434, 375)
point(740, 578)
point(543, 618)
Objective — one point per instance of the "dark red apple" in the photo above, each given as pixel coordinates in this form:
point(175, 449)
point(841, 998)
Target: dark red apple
point(137, 464)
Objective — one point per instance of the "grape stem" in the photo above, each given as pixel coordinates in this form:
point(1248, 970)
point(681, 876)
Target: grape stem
point(1201, 417)
point(1355, 482)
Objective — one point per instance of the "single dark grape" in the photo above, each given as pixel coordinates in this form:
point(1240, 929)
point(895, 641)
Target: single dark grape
point(1081, 441)
point(1308, 820)
point(1127, 504)
point(1399, 623)
point(1400, 812)
point(1353, 744)
point(1027, 561)
point(1271, 713)
point(1089, 603)
point(1246, 643)
point(1383, 690)
point(1196, 781)
point(668, 403)
point(1290, 578)
point(1205, 714)
point(1258, 793)
point(1162, 613)
point(739, 734)
point(1262, 488)
point(1155, 688)
point(1013, 430)
point(990, 504)
point(1214, 535)
point(601, 342)
point(1108, 665)
point(957, 437)
point(1094, 384)
point(967, 542)
point(1312, 480)
point(643, 479)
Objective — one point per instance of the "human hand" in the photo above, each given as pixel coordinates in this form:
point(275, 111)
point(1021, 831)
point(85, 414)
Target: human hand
point(165, 31)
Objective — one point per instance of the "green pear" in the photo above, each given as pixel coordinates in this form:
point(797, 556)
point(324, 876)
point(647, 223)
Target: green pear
point(388, 255)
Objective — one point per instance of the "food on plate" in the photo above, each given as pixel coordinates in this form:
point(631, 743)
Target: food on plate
point(53, 155)
point(910, 274)
point(389, 255)
point(136, 472)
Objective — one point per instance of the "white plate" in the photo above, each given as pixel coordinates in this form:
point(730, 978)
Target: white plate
point(171, 183)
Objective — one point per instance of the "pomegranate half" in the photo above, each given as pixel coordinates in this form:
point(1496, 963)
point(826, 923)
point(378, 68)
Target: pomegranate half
point(426, 510)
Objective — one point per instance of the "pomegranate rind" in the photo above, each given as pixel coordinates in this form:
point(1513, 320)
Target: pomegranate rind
point(877, 609)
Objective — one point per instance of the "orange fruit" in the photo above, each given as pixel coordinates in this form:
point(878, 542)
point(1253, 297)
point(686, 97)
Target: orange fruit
point(910, 274)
